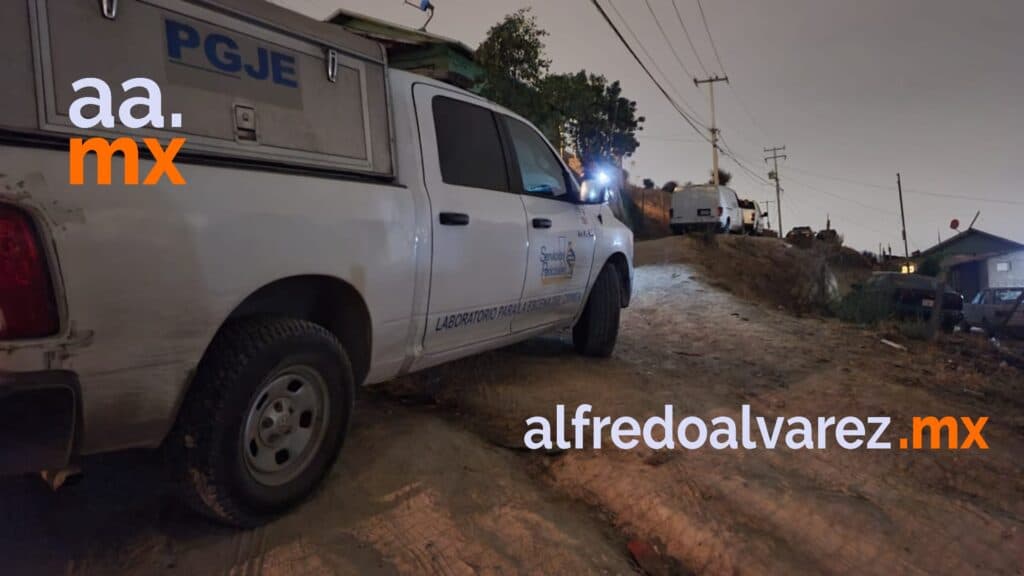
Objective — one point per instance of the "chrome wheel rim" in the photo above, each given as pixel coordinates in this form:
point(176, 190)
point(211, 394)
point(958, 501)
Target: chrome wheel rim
point(285, 425)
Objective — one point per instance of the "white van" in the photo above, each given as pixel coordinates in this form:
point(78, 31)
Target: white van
point(698, 207)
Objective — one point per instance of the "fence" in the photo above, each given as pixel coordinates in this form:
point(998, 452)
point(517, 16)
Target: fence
point(647, 211)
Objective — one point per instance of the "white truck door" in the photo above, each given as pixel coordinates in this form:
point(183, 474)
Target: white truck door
point(479, 225)
point(561, 232)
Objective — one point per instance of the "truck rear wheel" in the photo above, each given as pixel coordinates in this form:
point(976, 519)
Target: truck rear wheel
point(598, 328)
point(264, 420)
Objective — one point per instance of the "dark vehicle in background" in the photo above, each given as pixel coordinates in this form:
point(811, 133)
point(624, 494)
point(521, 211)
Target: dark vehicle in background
point(997, 311)
point(801, 236)
point(912, 297)
point(829, 235)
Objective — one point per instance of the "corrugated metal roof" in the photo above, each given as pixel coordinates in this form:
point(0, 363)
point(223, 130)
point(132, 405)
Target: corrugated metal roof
point(390, 32)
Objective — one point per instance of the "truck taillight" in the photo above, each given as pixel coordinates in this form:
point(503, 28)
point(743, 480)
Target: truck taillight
point(27, 307)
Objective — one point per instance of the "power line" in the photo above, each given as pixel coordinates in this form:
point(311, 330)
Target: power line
point(740, 161)
point(710, 39)
point(886, 234)
point(840, 197)
point(693, 124)
point(668, 40)
point(685, 105)
point(721, 66)
point(690, 40)
point(680, 139)
point(907, 190)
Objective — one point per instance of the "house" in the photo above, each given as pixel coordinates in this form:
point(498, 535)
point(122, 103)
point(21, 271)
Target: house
point(1006, 270)
point(416, 51)
point(975, 260)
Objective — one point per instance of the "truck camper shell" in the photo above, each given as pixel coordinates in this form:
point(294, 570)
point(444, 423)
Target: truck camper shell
point(254, 83)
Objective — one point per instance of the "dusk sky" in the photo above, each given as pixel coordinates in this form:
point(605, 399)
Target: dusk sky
point(856, 90)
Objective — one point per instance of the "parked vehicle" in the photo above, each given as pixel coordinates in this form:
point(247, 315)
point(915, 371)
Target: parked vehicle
point(342, 224)
point(753, 217)
point(801, 236)
point(912, 297)
point(829, 236)
point(700, 207)
point(996, 311)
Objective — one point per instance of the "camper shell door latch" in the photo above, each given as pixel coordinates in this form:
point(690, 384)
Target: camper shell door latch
point(109, 8)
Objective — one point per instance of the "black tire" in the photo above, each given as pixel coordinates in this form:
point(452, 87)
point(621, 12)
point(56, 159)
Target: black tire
point(207, 449)
point(598, 327)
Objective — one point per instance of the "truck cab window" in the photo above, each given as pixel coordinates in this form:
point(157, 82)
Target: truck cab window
point(539, 168)
point(469, 146)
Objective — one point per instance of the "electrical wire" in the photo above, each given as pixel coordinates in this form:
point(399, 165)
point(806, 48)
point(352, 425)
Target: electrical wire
point(691, 115)
point(686, 33)
point(668, 40)
point(680, 139)
point(710, 39)
point(906, 189)
point(691, 121)
point(841, 197)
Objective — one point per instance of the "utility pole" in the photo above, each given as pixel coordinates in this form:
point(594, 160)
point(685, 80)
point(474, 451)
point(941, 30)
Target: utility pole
point(903, 218)
point(774, 151)
point(710, 81)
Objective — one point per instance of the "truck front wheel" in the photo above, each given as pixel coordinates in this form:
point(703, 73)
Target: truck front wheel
point(264, 420)
point(598, 328)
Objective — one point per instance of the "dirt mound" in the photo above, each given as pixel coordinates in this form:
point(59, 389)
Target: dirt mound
point(765, 269)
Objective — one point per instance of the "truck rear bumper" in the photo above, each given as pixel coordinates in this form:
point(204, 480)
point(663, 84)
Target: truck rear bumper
point(38, 419)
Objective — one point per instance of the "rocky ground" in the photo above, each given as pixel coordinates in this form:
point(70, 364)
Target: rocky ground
point(434, 477)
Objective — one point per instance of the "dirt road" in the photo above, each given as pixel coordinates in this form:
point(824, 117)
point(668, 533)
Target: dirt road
point(434, 479)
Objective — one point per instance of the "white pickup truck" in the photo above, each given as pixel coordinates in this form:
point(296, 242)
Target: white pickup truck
point(341, 223)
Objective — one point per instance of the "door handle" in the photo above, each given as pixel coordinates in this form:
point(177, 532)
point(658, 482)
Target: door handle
point(542, 223)
point(454, 219)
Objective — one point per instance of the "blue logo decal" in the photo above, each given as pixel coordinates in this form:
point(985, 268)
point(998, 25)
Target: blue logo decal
point(222, 56)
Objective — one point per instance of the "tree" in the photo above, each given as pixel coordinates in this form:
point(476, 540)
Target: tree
point(723, 178)
point(590, 117)
point(513, 62)
point(670, 186)
point(648, 183)
point(581, 113)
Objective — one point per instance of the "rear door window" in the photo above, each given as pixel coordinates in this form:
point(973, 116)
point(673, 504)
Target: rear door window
point(469, 145)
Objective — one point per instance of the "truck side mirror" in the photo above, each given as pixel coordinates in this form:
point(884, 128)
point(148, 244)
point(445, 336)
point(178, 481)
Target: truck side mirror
point(593, 192)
